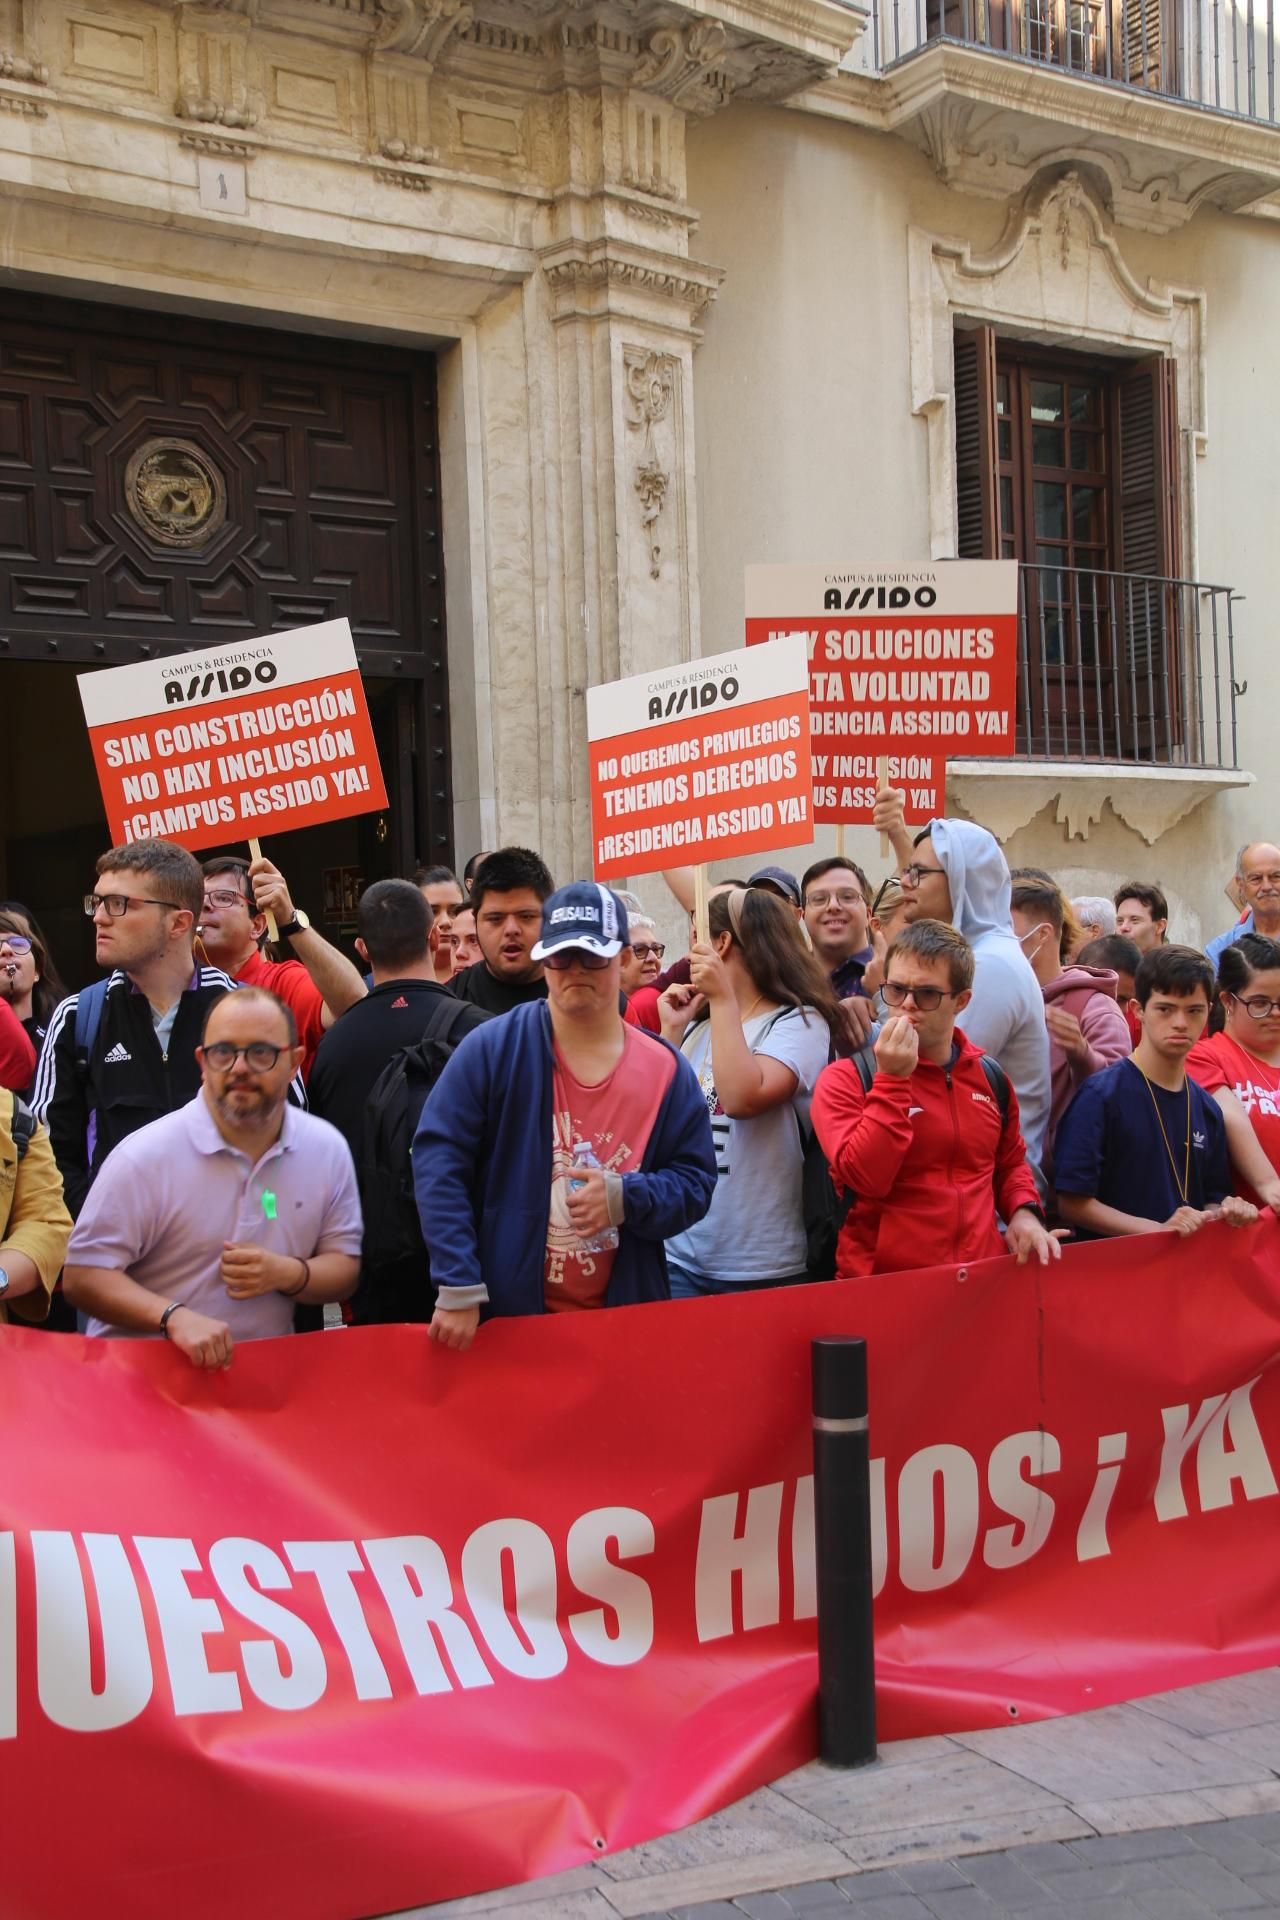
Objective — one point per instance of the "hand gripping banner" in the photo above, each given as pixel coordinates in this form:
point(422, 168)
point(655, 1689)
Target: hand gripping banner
point(361, 1624)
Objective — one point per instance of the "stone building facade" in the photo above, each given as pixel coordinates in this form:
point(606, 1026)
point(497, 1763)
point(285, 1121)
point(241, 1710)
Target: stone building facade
point(515, 328)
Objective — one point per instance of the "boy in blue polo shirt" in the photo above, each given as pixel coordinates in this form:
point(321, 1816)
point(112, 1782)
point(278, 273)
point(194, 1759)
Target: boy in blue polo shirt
point(1142, 1146)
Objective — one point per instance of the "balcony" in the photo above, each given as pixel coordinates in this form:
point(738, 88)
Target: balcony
point(1127, 696)
point(1127, 669)
point(1171, 104)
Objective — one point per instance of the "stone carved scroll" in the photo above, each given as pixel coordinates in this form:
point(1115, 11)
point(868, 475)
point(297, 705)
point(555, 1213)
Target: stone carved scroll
point(650, 386)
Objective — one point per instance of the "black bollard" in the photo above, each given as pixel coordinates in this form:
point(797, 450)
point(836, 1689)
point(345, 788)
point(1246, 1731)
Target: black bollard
point(842, 1537)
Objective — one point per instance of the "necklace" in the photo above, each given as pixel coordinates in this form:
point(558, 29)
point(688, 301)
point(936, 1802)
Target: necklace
point(707, 1077)
point(1184, 1184)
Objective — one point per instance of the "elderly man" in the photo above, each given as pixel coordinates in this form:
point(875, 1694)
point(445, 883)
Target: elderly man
point(208, 1226)
point(560, 1148)
point(1258, 877)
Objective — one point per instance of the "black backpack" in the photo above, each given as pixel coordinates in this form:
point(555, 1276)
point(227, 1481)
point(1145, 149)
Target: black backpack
point(826, 1206)
point(395, 1272)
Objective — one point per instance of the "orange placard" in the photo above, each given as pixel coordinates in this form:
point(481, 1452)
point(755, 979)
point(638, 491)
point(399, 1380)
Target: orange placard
point(916, 664)
point(700, 762)
point(235, 742)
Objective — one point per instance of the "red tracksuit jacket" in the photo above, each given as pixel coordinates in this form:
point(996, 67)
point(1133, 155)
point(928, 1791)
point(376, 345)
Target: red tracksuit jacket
point(928, 1159)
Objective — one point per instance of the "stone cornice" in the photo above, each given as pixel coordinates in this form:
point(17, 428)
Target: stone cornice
point(590, 279)
point(989, 123)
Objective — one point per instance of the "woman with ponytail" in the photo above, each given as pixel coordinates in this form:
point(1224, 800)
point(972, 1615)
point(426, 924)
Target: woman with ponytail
point(1240, 1063)
point(757, 1022)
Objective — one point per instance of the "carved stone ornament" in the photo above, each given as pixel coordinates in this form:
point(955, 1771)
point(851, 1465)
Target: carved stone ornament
point(175, 493)
point(419, 27)
point(679, 65)
point(14, 67)
point(650, 382)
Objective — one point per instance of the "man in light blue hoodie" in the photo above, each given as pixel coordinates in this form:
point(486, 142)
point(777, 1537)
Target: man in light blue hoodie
point(956, 872)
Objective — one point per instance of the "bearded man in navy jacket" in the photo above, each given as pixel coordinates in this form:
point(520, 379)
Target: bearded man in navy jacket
point(560, 1147)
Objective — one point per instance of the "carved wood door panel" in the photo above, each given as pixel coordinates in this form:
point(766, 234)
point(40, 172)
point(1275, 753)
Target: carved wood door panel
point(169, 484)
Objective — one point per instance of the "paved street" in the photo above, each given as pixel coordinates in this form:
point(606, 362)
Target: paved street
point(1163, 1809)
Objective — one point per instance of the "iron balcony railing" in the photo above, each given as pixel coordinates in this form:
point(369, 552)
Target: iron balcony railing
point(1130, 668)
point(1216, 53)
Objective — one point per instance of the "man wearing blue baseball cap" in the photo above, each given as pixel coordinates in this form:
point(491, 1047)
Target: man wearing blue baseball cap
point(560, 1147)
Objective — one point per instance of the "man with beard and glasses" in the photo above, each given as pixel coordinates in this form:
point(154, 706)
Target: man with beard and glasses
point(210, 1225)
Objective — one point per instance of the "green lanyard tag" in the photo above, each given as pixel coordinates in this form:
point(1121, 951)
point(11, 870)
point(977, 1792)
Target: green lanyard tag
point(269, 1205)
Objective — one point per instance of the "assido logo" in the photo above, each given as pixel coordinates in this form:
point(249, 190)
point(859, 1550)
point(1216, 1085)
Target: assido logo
point(833, 600)
point(178, 693)
point(693, 698)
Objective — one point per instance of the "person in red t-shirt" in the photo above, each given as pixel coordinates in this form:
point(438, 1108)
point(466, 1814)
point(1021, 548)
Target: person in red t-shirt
point(1240, 1065)
point(316, 985)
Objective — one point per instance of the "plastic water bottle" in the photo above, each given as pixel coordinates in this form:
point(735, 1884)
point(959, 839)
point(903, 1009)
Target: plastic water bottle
point(604, 1242)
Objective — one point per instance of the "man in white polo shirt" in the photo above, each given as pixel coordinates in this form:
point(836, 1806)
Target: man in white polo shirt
point(209, 1225)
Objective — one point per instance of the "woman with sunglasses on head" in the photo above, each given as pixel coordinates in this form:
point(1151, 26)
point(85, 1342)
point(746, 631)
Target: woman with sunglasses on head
point(757, 1024)
point(1240, 1064)
point(29, 983)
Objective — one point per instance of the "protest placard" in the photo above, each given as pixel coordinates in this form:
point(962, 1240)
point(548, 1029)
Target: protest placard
point(232, 742)
point(915, 664)
point(705, 761)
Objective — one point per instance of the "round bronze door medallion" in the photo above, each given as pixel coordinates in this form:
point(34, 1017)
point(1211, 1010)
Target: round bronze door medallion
point(175, 493)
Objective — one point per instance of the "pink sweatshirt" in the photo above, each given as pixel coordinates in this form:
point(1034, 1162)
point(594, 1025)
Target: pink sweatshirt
point(1090, 994)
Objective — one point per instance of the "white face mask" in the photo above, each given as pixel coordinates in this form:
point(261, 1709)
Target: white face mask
point(1033, 933)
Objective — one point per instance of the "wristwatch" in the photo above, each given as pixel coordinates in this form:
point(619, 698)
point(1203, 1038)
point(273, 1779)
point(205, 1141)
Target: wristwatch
point(300, 923)
point(4, 1283)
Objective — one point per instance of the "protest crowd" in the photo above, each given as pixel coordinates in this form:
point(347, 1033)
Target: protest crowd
point(520, 1102)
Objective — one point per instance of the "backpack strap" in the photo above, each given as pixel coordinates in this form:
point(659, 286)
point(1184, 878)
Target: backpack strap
point(22, 1126)
point(998, 1081)
point(90, 1002)
point(446, 1017)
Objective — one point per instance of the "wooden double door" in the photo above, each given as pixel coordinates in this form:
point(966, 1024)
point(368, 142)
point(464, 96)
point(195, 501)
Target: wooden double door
point(168, 483)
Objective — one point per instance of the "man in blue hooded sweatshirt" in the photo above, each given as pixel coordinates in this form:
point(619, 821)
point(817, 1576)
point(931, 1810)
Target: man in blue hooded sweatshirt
point(956, 872)
point(560, 1147)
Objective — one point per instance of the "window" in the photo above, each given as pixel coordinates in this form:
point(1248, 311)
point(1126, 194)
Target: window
point(1068, 465)
point(1128, 40)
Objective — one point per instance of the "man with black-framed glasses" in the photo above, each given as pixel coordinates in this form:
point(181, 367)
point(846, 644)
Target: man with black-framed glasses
point(931, 1146)
point(210, 1225)
point(122, 1052)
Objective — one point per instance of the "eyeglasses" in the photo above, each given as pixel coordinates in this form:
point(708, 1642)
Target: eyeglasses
point(224, 897)
point(915, 873)
point(1257, 1008)
point(16, 942)
point(564, 957)
point(222, 1056)
point(894, 994)
point(644, 949)
point(846, 897)
point(118, 904)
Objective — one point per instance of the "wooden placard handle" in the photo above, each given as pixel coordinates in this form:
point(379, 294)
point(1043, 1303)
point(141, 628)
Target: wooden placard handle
point(882, 781)
point(273, 932)
point(701, 923)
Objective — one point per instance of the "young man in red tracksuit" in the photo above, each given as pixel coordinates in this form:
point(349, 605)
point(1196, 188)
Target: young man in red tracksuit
point(927, 1150)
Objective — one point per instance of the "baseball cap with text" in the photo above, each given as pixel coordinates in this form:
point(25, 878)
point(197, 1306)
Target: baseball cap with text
point(583, 914)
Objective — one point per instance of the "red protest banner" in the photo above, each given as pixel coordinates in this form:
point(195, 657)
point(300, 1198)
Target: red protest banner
point(700, 762)
point(430, 1669)
point(912, 663)
point(230, 743)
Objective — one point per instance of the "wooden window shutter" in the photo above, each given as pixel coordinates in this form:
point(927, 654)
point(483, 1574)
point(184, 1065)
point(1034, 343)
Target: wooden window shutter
point(977, 522)
point(1146, 442)
point(1147, 548)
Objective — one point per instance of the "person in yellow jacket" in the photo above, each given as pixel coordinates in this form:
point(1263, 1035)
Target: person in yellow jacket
point(34, 1223)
